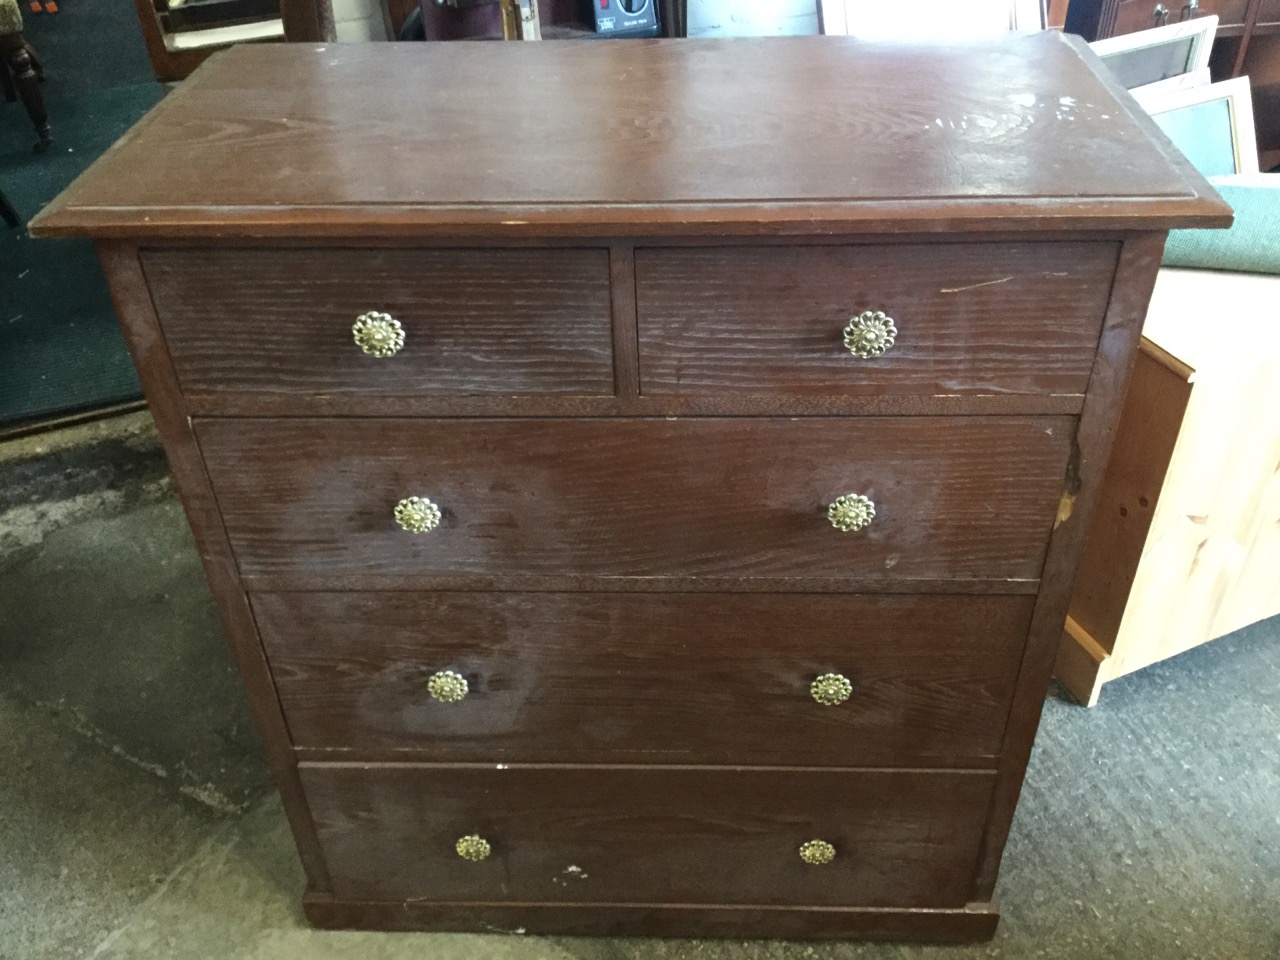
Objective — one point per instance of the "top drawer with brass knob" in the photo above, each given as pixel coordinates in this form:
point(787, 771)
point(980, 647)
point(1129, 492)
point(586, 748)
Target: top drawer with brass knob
point(290, 330)
point(948, 319)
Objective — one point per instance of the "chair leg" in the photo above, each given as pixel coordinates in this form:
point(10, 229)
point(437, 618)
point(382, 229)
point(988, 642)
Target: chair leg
point(19, 63)
point(36, 63)
point(6, 82)
point(7, 213)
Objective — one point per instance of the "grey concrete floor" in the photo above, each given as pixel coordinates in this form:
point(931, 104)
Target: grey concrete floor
point(136, 818)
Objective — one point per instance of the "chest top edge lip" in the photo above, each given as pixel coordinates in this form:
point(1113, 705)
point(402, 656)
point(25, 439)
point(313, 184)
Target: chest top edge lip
point(837, 219)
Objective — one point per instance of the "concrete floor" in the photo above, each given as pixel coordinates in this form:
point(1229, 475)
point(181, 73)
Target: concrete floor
point(136, 818)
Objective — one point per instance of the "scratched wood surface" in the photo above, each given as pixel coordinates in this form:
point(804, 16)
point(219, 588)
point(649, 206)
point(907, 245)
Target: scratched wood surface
point(972, 318)
point(648, 835)
point(778, 134)
point(640, 498)
point(623, 677)
point(278, 322)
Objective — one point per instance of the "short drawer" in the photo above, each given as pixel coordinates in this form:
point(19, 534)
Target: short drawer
point(656, 835)
point(1135, 15)
point(649, 678)
point(968, 318)
point(280, 322)
point(958, 497)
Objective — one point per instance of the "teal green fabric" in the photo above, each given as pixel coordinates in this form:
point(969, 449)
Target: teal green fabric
point(1251, 245)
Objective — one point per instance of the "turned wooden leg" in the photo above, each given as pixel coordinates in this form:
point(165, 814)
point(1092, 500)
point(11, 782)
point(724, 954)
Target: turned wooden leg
point(7, 213)
point(21, 66)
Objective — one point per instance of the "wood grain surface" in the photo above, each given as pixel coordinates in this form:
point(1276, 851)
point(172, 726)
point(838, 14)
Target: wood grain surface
point(751, 136)
point(640, 678)
point(278, 322)
point(972, 318)
point(961, 498)
point(973, 921)
point(648, 835)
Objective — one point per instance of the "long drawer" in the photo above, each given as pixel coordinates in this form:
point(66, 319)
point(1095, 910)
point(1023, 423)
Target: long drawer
point(472, 322)
point(648, 678)
point(967, 318)
point(963, 497)
point(655, 835)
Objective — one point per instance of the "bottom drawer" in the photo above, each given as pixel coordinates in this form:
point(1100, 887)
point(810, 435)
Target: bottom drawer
point(655, 835)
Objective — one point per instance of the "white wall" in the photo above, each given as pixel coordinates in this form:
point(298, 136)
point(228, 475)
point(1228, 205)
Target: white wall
point(358, 20)
point(752, 18)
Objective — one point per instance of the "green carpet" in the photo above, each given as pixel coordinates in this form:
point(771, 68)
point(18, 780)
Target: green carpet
point(60, 349)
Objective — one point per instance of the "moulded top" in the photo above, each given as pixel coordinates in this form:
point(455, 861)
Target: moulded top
point(639, 137)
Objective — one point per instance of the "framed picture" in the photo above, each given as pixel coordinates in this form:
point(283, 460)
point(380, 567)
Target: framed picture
point(1173, 56)
point(928, 19)
point(1212, 125)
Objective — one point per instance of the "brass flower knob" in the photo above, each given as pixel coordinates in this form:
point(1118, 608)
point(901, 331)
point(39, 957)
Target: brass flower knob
point(870, 334)
point(473, 847)
point(447, 686)
point(852, 511)
point(417, 515)
point(831, 689)
point(817, 852)
point(378, 334)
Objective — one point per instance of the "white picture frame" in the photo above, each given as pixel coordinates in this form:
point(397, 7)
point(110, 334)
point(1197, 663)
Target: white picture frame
point(1125, 55)
point(928, 19)
point(1197, 119)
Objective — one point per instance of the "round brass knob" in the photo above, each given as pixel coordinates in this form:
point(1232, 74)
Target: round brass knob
point(853, 511)
point(378, 334)
point(831, 689)
point(817, 852)
point(870, 334)
point(447, 686)
point(473, 847)
point(417, 515)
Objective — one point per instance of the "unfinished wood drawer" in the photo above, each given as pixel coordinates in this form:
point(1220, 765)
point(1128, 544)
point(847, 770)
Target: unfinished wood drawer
point(653, 835)
point(970, 318)
point(279, 322)
point(594, 677)
point(954, 497)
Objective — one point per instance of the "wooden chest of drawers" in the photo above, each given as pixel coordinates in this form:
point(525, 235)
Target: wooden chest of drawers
point(651, 510)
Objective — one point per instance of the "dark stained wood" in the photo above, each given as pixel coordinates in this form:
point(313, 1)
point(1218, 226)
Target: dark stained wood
point(609, 677)
point(1135, 279)
point(265, 402)
point(626, 359)
point(597, 583)
point(688, 583)
point(975, 921)
point(816, 135)
point(648, 835)
point(640, 498)
point(279, 322)
point(146, 345)
point(975, 318)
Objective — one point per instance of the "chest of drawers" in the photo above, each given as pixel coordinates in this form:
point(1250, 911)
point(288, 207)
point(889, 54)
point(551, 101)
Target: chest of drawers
point(651, 509)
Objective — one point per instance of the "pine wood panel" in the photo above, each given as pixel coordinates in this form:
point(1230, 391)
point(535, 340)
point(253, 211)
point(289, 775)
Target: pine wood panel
point(278, 321)
point(649, 835)
point(972, 318)
point(628, 677)
point(640, 498)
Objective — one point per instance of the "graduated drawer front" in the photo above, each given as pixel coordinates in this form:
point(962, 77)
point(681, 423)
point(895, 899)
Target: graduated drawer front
point(648, 678)
point(279, 321)
point(651, 835)
point(1135, 15)
point(960, 497)
point(971, 318)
